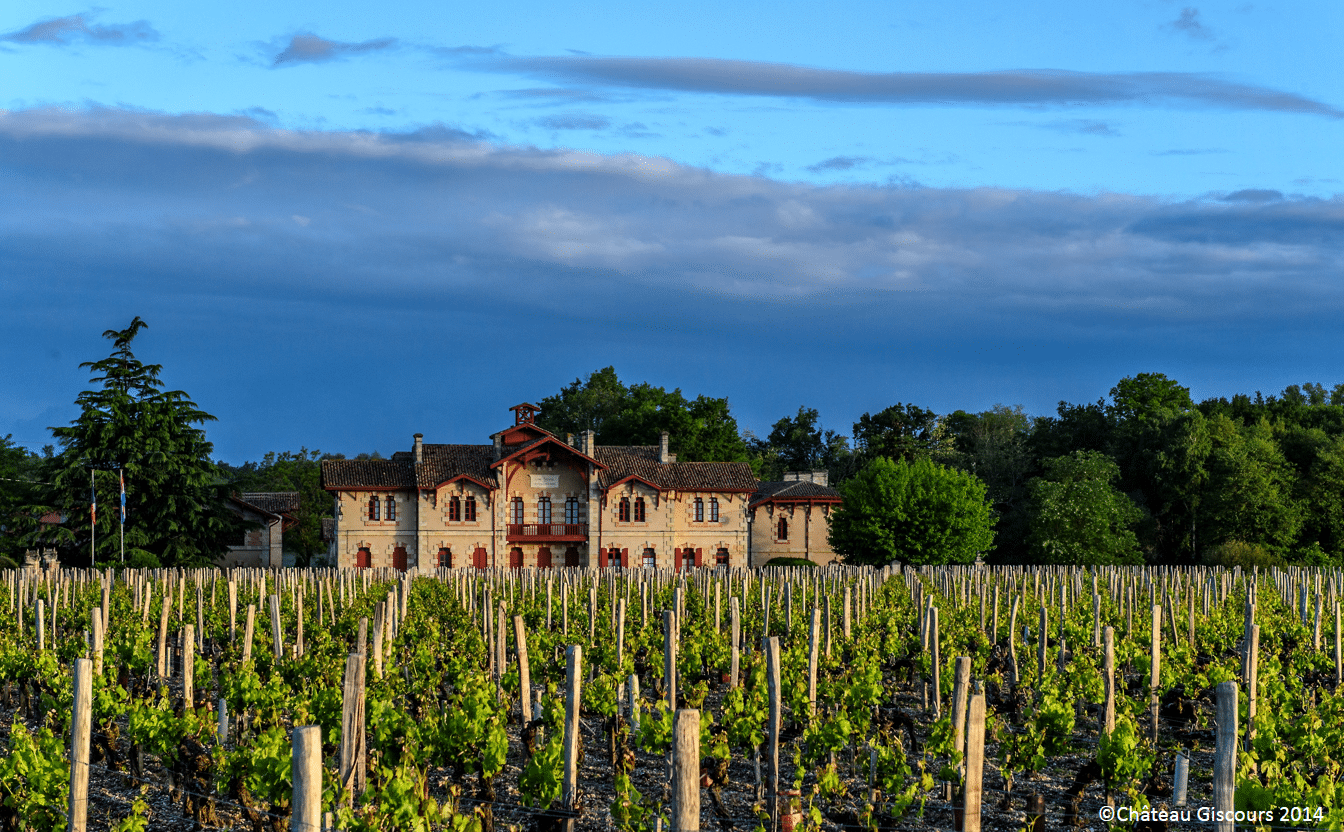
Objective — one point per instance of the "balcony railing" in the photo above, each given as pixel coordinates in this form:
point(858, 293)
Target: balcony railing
point(575, 532)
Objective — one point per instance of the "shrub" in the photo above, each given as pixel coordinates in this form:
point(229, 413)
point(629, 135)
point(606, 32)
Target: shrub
point(1240, 553)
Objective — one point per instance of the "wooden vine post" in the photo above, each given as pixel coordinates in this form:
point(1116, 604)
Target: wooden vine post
point(569, 793)
point(1155, 678)
point(1225, 758)
point(735, 627)
point(961, 684)
point(306, 766)
point(975, 764)
point(353, 739)
point(524, 671)
point(189, 666)
point(1108, 669)
point(97, 623)
point(670, 658)
point(81, 731)
point(686, 771)
point(813, 642)
point(248, 628)
point(770, 646)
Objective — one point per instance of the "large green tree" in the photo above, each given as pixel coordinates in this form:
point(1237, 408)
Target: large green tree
point(701, 429)
point(915, 512)
point(1250, 489)
point(1078, 517)
point(798, 443)
point(177, 511)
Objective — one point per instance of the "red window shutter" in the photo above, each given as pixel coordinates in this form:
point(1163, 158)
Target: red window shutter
point(625, 557)
point(602, 558)
point(698, 553)
point(676, 559)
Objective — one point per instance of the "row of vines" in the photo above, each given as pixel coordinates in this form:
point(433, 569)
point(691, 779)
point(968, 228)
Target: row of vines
point(453, 742)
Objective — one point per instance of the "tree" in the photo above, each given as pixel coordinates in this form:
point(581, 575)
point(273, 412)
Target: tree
point(995, 445)
point(20, 475)
point(700, 430)
point(916, 512)
point(1078, 517)
point(902, 431)
point(176, 500)
point(1250, 489)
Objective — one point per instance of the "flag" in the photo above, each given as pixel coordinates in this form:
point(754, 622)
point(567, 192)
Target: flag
point(93, 500)
point(122, 473)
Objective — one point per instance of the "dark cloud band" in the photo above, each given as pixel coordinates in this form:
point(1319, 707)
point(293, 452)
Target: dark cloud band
point(76, 28)
point(1024, 87)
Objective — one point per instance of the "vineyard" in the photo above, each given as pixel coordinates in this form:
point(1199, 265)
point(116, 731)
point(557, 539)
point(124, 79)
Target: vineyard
point(835, 698)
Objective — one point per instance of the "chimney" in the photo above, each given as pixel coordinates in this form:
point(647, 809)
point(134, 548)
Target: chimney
point(662, 449)
point(587, 442)
point(419, 447)
point(821, 477)
point(569, 439)
point(499, 446)
point(793, 476)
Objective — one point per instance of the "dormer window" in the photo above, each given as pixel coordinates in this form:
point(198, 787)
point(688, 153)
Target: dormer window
point(639, 510)
point(455, 509)
point(470, 514)
point(623, 512)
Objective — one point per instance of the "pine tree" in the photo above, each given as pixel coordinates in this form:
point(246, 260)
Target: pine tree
point(176, 499)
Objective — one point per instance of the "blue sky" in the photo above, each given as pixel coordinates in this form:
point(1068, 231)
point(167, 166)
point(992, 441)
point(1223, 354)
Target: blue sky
point(347, 225)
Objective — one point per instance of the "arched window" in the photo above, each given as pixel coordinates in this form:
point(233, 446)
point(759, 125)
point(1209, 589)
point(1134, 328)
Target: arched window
point(517, 507)
point(721, 557)
point(391, 507)
point(455, 509)
point(623, 514)
point(639, 510)
point(713, 509)
point(571, 509)
point(699, 510)
point(650, 558)
point(445, 557)
point(544, 510)
point(471, 510)
point(782, 532)
point(373, 508)
point(688, 558)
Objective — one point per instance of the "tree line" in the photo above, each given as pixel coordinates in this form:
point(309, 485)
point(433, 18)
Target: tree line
point(1145, 475)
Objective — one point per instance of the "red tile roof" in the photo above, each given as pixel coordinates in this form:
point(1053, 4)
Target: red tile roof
point(367, 473)
point(441, 463)
point(272, 502)
point(642, 461)
point(794, 491)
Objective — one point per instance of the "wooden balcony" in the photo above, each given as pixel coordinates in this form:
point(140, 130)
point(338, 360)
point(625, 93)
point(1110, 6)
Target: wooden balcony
point(547, 532)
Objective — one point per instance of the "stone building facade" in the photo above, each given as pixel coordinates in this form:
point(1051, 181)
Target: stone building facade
point(534, 499)
point(271, 513)
point(792, 518)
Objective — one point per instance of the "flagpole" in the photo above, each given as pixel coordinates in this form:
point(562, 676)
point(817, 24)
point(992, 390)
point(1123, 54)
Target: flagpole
point(121, 472)
point(93, 519)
